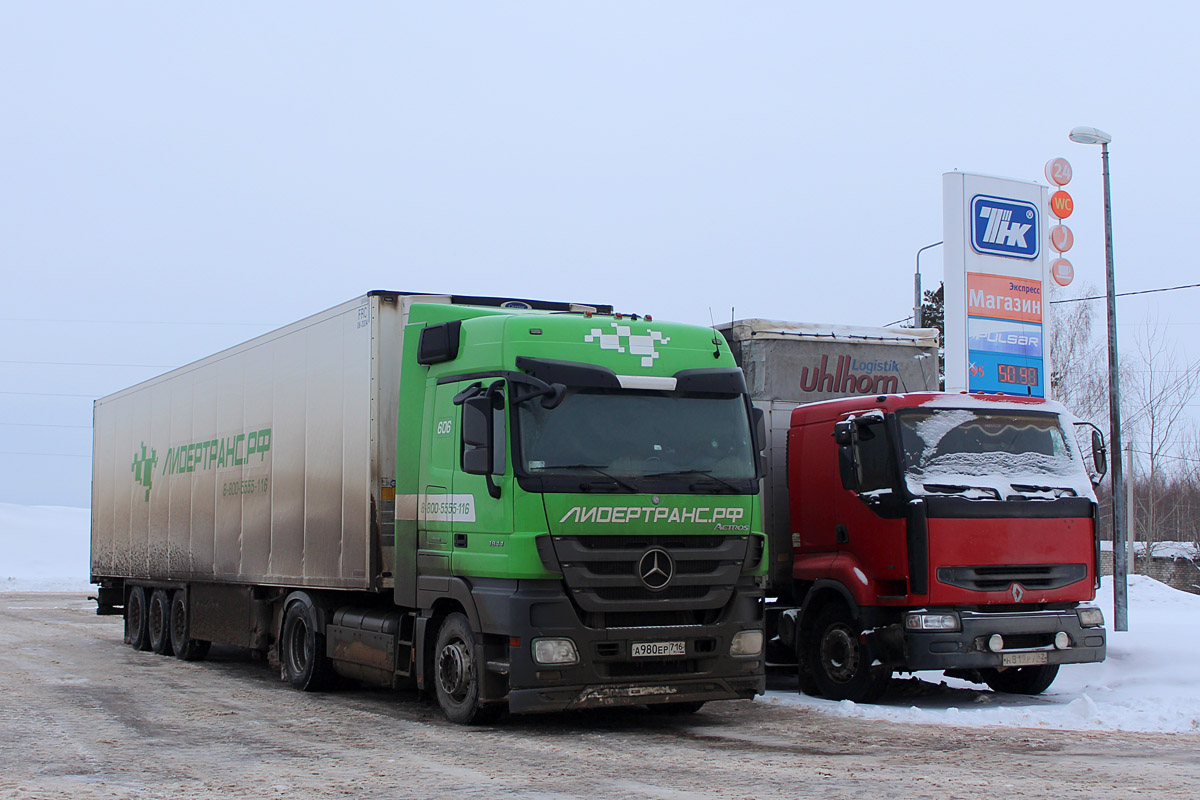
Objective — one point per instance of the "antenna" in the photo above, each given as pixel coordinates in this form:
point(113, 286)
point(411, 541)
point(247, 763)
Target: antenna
point(716, 340)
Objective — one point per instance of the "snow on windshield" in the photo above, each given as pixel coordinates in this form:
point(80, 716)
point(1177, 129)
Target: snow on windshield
point(998, 455)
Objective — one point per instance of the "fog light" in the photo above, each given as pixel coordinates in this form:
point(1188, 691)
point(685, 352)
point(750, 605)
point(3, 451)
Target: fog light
point(1090, 616)
point(925, 621)
point(746, 643)
point(555, 651)
point(995, 643)
point(1061, 640)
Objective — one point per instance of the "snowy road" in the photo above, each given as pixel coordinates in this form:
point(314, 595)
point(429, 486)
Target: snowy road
point(85, 716)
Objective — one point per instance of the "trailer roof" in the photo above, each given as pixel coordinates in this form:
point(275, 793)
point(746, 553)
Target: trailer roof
point(821, 331)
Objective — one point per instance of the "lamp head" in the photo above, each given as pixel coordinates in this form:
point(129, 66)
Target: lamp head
point(1085, 135)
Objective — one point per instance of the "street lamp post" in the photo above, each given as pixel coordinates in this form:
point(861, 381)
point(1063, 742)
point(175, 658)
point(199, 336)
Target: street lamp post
point(917, 286)
point(1085, 135)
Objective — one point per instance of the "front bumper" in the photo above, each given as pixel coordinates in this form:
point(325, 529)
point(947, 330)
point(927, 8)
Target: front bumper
point(1025, 634)
point(608, 674)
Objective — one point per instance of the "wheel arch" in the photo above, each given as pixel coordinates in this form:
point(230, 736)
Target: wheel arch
point(456, 598)
point(822, 592)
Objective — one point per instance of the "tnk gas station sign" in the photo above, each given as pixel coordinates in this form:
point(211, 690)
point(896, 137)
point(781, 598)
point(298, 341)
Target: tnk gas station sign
point(995, 282)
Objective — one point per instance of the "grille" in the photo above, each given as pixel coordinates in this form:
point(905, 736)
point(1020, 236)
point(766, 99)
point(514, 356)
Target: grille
point(601, 572)
point(629, 567)
point(998, 578)
point(670, 593)
point(634, 541)
point(651, 619)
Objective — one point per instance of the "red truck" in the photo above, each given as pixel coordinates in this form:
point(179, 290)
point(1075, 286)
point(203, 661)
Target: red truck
point(918, 530)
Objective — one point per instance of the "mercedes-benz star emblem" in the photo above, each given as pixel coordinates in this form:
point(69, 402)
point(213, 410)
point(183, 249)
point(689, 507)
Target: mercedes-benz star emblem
point(656, 569)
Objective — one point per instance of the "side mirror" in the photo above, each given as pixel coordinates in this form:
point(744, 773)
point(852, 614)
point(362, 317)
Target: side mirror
point(555, 396)
point(477, 435)
point(847, 468)
point(1099, 455)
point(843, 432)
point(759, 418)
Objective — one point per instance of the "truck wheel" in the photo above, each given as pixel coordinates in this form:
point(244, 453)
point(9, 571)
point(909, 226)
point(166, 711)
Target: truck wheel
point(840, 664)
point(186, 648)
point(302, 649)
point(1021, 680)
point(136, 619)
point(456, 674)
point(159, 623)
point(805, 682)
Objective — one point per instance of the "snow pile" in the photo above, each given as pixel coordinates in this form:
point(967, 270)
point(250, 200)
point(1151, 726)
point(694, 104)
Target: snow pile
point(44, 548)
point(1148, 683)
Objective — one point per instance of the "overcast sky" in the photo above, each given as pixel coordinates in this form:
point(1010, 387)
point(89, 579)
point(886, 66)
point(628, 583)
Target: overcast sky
point(175, 179)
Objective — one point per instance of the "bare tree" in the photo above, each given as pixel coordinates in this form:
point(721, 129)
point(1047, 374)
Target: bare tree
point(1155, 417)
point(1079, 372)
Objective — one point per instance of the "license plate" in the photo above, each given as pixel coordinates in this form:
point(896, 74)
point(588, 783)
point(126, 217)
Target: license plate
point(1023, 659)
point(651, 649)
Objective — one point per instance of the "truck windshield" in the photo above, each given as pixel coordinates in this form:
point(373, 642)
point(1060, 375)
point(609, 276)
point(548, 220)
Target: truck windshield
point(638, 441)
point(981, 453)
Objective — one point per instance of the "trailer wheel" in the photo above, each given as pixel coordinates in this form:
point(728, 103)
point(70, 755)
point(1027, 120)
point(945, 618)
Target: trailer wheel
point(302, 649)
point(456, 674)
point(185, 647)
point(159, 622)
point(1021, 680)
point(137, 619)
point(841, 665)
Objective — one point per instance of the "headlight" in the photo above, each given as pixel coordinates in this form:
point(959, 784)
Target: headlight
point(559, 652)
point(1090, 616)
point(746, 643)
point(926, 621)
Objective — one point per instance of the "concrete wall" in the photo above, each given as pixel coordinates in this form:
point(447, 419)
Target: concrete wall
point(1178, 573)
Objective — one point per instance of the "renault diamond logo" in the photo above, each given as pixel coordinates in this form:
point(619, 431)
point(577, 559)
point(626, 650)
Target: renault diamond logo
point(655, 569)
point(1017, 592)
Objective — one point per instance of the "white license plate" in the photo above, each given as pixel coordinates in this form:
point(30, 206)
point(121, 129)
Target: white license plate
point(1023, 659)
point(651, 649)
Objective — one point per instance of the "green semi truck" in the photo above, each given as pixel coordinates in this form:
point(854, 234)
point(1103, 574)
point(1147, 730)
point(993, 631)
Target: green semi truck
point(504, 503)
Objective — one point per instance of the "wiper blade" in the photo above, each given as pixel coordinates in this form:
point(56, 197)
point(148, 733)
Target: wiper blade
point(705, 473)
point(1057, 491)
point(594, 468)
point(959, 489)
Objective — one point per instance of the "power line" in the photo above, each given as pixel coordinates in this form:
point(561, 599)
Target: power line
point(133, 322)
point(90, 364)
point(1164, 455)
point(51, 455)
point(53, 394)
point(1126, 294)
point(43, 425)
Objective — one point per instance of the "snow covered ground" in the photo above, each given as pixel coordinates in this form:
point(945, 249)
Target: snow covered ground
point(44, 548)
point(1150, 682)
